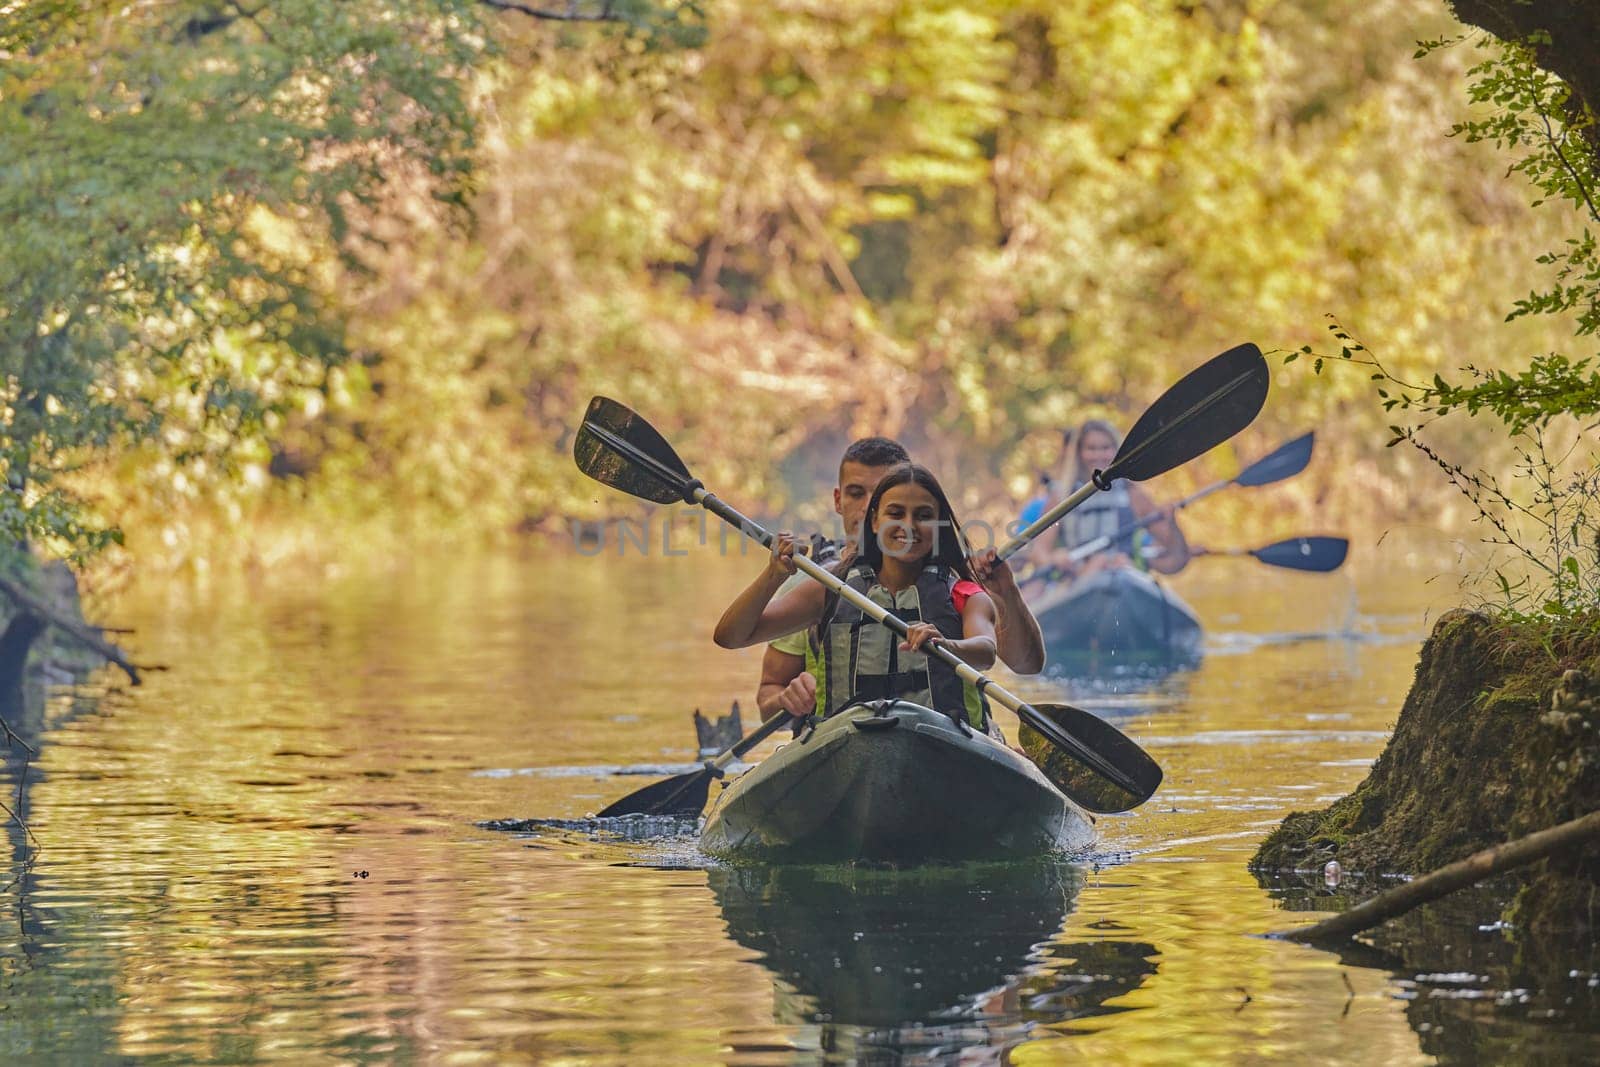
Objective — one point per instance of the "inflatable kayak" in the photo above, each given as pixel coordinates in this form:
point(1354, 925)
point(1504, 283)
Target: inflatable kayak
point(896, 783)
point(1113, 620)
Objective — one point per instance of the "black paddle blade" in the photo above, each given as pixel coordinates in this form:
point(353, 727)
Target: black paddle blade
point(618, 448)
point(682, 795)
point(1206, 407)
point(1306, 553)
point(1087, 787)
point(1290, 459)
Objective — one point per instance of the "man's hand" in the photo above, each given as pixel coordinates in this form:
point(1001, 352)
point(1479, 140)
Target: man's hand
point(782, 564)
point(799, 697)
point(847, 551)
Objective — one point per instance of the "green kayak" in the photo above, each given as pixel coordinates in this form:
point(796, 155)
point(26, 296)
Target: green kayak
point(893, 783)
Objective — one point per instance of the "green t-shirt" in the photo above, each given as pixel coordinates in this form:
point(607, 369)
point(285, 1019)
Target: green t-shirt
point(794, 644)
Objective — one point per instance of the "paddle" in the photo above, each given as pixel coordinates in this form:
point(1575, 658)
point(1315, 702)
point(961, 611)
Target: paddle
point(1318, 554)
point(1112, 773)
point(684, 795)
point(1285, 461)
point(1206, 407)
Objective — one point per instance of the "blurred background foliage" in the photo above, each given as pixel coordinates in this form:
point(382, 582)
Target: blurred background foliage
point(245, 258)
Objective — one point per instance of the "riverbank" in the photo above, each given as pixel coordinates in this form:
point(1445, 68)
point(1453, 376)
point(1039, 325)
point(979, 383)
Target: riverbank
point(1499, 737)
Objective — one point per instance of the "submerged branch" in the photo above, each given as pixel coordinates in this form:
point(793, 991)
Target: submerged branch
point(83, 634)
point(1448, 879)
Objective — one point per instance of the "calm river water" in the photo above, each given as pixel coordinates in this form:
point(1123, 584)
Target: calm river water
point(274, 850)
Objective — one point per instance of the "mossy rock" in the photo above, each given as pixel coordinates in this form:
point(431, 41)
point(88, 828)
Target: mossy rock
point(1499, 737)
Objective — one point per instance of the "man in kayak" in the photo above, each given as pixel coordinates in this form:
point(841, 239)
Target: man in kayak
point(911, 560)
point(789, 665)
point(1110, 516)
point(787, 682)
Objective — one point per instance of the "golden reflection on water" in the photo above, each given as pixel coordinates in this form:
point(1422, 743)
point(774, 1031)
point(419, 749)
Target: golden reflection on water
point(271, 852)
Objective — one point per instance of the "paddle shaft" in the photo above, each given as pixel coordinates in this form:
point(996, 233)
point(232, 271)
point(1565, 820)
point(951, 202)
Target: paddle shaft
point(751, 740)
point(964, 670)
point(1047, 520)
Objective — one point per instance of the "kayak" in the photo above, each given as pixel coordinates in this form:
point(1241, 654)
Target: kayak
point(896, 783)
point(1116, 620)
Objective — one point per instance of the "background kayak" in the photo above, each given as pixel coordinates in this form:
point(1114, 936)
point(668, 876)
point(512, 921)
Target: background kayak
point(1116, 620)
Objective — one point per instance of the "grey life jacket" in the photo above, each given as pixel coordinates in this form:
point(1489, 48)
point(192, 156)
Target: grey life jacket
point(1102, 515)
point(860, 659)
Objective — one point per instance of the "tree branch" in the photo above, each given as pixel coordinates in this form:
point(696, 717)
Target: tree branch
point(572, 14)
point(79, 632)
point(1447, 879)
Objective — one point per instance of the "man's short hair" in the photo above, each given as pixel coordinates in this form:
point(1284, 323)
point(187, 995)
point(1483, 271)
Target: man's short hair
point(875, 452)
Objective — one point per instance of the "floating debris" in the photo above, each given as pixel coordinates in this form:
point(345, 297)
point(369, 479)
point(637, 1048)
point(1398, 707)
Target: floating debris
point(1332, 874)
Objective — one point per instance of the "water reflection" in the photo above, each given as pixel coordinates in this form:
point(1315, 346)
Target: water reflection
point(873, 965)
point(1126, 695)
point(1476, 991)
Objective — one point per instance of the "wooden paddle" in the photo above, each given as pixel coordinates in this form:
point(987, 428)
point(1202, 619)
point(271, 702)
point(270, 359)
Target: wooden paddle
point(1103, 770)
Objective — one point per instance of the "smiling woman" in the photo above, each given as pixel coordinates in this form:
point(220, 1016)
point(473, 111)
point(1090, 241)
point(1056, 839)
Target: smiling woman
point(912, 562)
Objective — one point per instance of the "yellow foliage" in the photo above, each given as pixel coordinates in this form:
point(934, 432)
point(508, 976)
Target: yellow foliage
point(966, 222)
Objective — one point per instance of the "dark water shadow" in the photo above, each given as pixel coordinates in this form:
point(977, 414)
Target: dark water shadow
point(898, 965)
point(1476, 989)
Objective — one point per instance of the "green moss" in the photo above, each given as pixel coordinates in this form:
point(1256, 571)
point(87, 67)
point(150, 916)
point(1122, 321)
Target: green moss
point(1499, 737)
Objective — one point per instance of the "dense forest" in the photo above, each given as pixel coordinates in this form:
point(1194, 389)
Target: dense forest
point(283, 277)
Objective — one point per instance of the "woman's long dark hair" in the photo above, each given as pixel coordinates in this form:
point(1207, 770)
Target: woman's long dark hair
point(949, 545)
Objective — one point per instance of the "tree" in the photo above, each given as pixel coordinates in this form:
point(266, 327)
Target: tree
point(173, 180)
point(1534, 99)
point(1562, 34)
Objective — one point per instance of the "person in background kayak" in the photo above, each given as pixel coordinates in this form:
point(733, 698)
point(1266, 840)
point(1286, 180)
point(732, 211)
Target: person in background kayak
point(789, 666)
point(1159, 547)
point(911, 562)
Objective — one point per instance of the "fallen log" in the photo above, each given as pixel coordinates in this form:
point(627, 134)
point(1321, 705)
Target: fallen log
point(1448, 879)
point(80, 632)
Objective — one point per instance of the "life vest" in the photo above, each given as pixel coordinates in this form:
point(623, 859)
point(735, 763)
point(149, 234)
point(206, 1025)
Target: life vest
point(859, 659)
point(1102, 515)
